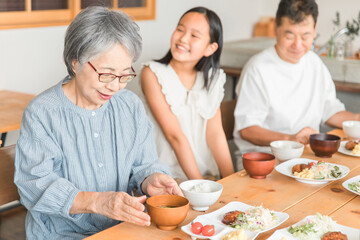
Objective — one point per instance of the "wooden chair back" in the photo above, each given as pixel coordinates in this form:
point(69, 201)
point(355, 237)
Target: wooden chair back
point(8, 190)
point(227, 116)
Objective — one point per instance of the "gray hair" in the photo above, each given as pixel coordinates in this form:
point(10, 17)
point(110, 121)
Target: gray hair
point(94, 30)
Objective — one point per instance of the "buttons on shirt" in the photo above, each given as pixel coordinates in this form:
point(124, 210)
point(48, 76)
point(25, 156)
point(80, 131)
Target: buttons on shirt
point(93, 114)
point(100, 165)
point(96, 135)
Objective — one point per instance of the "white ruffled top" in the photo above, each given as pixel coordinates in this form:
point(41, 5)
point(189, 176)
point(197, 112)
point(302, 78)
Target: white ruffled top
point(192, 108)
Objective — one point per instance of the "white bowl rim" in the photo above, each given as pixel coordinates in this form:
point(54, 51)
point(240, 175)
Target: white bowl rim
point(294, 144)
point(197, 181)
point(351, 123)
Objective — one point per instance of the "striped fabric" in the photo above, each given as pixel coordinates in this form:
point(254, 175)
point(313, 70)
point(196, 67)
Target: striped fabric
point(64, 149)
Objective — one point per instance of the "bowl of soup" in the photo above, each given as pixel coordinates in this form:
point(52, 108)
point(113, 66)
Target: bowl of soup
point(258, 164)
point(167, 211)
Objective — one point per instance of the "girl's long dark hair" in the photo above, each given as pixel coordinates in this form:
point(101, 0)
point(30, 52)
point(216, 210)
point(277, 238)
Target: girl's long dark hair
point(216, 35)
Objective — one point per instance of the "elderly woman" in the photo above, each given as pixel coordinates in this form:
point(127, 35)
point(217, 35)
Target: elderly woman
point(86, 143)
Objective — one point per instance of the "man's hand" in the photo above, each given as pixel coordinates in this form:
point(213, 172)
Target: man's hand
point(160, 184)
point(304, 134)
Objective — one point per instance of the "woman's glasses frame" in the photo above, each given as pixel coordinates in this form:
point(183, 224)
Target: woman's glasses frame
point(109, 77)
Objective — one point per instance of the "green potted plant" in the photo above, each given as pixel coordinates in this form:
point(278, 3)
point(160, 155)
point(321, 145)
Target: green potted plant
point(352, 26)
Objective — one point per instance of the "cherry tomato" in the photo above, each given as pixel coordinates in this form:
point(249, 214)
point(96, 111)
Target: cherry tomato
point(196, 227)
point(208, 230)
point(311, 164)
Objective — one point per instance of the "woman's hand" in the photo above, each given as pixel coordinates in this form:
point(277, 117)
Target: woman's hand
point(121, 206)
point(160, 184)
point(116, 205)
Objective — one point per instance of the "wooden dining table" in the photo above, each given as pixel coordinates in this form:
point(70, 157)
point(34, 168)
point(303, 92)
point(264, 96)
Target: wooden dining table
point(12, 106)
point(277, 192)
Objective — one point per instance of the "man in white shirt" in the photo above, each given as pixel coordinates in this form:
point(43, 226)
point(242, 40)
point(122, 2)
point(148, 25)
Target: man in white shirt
point(286, 92)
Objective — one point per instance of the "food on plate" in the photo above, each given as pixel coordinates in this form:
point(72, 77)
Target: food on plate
point(356, 150)
point(235, 235)
point(255, 219)
point(350, 145)
point(319, 170)
point(314, 227)
point(230, 217)
point(299, 168)
point(353, 146)
point(355, 186)
point(208, 230)
point(196, 227)
point(306, 173)
point(334, 236)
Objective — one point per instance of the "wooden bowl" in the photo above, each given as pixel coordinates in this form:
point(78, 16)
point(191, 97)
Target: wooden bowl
point(167, 211)
point(324, 145)
point(258, 164)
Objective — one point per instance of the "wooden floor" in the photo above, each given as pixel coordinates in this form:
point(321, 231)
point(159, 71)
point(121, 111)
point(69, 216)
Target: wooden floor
point(12, 224)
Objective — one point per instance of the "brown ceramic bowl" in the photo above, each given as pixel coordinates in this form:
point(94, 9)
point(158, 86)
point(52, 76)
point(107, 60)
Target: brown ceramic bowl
point(324, 145)
point(258, 164)
point(167, 211)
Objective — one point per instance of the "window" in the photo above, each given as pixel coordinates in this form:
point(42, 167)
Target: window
point(37, 13)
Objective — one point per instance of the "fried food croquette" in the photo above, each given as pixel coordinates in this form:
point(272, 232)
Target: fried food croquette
point(299, 167)
point(230, 217)
point(350, 145)
point(334, 236)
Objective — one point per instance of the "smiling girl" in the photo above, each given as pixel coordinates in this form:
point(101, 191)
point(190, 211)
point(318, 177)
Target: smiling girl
point(183, 91)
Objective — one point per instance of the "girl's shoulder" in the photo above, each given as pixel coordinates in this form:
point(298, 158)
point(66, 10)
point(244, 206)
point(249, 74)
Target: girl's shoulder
point(156, 66)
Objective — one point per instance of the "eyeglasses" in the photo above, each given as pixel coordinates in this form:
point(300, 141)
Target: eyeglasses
point(109, 77)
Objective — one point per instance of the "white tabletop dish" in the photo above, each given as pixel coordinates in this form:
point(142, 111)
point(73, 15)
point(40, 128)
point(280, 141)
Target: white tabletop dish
point(215, 218)
point(343, 150)
point(351, 180)
point(201, 193)
point(286, 167)
point(285, 150)
point(351, 233)
point(352, 129)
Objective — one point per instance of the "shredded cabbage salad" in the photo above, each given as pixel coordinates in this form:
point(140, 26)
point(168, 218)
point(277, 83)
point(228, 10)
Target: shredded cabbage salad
point(324, 170)
point(255, 219)
point(355, 186)
point(313, 228)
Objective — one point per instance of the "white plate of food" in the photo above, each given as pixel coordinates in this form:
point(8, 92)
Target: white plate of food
point(348, 149)
point(320, 225)
point(316, 172)
point(353, 185)
point(251, 229)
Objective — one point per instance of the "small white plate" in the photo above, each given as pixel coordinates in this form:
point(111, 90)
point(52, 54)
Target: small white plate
point(286, 167)
point(343, 150)
point(351, 180)
point(215, 218)
point(351, 233)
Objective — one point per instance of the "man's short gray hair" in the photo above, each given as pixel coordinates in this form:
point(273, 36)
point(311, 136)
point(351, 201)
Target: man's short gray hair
point(94, 30)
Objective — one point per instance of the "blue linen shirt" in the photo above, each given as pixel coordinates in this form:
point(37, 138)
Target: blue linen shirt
point(64, 149)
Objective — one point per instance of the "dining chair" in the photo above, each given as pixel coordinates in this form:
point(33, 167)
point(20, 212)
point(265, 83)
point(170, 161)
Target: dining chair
point(227, 117)
point(12, 213)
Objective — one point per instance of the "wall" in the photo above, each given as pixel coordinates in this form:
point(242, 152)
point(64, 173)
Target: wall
point(348, 9)
point(31, 59)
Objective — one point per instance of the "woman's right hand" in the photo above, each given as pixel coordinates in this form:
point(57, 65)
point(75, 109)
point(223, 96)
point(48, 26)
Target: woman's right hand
point(121, 206)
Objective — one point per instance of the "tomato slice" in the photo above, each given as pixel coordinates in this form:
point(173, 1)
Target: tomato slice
point(196, 227)
point(208, 230)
